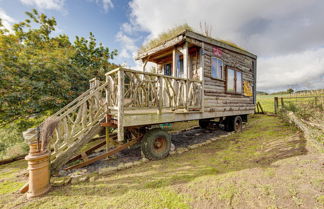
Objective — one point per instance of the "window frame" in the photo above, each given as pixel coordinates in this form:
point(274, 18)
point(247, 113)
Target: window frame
point(235, 80)
point(171, 70)
point(222, 71)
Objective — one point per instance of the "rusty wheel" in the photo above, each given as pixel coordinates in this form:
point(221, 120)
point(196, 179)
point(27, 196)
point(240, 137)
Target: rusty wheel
point(156, 144)
point(238, 124)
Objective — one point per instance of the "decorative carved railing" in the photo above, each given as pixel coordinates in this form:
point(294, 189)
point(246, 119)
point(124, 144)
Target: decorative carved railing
point(150, 90)
point(78, 124)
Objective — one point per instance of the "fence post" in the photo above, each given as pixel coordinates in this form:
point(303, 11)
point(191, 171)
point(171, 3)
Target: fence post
point(120, 95)
point(276, 105)
point(282, 102)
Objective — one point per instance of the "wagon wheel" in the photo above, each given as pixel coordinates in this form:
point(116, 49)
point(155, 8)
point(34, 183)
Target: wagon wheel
point(238, 124)
point(156, 144)
point(233, 123)
point(204, 123)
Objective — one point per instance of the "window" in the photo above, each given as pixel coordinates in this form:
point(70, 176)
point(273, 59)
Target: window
point(234, 81)
point(180, 70)
point(168, 69)
point(216, 68)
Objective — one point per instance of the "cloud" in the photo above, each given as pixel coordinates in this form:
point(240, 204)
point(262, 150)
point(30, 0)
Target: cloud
point(128, 45)
point(7, 21)
point(277, 29)
point(45, 4)
point(106, 4)
point(297, 70)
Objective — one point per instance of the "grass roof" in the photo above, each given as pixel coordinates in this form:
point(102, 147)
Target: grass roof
point(173, 32)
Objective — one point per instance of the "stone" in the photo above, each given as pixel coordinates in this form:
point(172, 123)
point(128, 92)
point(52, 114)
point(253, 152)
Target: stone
point(67, 180)
point(172, 147)
point(93, 178)
point(129, 165)
point(208, 141)
point(58, 182)
point(74, 180)
point(83, 178)
point(182, 150)
point(121, 166)
point(172, 152)
point(138, 162)
point(63, 173)
point(107, 170)
point(145, 160)
point(179, 151)
point(214, 139)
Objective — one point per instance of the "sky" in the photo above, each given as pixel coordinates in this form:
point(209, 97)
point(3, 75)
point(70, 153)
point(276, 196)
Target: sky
point(286, 35)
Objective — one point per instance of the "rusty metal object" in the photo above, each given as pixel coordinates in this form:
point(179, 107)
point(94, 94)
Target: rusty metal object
point(39, 175)
point(24, 188)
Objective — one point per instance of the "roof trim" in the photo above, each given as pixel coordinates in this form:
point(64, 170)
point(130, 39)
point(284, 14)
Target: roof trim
point(193, 35)
point(215, 42)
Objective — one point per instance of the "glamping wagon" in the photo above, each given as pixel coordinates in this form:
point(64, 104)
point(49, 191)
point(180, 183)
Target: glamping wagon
point(196, 78)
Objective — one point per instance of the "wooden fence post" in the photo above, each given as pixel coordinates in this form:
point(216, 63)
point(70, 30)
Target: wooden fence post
point(282, 102)
point(276, 105)
point(120, 95)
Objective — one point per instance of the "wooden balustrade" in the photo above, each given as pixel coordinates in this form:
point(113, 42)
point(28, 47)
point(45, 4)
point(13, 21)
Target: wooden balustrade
point(150, 90)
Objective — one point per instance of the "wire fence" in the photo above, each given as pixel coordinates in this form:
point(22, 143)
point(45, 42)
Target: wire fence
point(289, 101)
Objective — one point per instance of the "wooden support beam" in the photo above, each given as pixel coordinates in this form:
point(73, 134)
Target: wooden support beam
point(174, 63)
point(120, 116)
point(186, 73)
point(100, 157)
point(160, 96)
point(202, 75)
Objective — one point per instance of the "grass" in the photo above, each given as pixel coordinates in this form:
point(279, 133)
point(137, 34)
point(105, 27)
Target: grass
point(217, 175)
point(175, 31)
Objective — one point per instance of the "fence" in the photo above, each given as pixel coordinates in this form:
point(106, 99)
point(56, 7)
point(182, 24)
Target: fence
point(281, 102)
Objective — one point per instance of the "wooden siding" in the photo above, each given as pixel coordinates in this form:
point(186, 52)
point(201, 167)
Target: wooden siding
point(215, 97)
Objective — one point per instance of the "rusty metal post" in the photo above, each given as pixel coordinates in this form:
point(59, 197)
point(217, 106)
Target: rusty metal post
point(39, 172)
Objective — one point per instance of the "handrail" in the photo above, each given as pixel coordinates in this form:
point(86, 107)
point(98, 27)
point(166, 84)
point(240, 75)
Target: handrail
point(151, 74)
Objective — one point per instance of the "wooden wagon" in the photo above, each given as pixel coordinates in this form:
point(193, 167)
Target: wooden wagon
point(196, 78)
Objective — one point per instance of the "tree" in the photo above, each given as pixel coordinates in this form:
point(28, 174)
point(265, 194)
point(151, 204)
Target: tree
point(43, 72)
point(290, 91)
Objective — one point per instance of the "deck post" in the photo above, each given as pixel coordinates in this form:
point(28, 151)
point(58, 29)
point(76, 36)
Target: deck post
point(174, 74)
point(160, 95)
point(202, 75)
point(120, 95)
point(107, 92)
point(174, 63)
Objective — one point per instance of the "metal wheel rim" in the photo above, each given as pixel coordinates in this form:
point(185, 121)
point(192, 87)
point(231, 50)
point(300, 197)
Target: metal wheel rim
point(160, 144)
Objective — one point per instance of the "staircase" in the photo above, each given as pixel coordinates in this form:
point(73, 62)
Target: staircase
point(78, 122)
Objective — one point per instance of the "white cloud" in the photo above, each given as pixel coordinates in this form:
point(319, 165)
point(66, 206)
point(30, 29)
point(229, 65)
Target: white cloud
point(269, 28)
point(45, 4)
point(128, 45)
point(7, 21)
point(106, 4)
point(297, 70)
